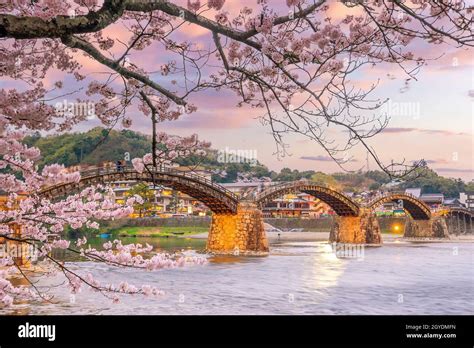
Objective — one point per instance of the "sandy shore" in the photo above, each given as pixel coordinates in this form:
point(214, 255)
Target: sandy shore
point(298, 236)
point(324, 236)
point(290, 236)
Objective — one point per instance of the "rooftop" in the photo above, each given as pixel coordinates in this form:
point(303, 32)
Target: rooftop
point(414, 191)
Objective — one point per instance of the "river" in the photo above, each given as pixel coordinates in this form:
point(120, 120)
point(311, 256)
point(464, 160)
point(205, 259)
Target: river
point(302, 277)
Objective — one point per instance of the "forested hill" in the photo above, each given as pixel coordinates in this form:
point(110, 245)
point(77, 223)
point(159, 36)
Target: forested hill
point(98, 145)
point(91, 147)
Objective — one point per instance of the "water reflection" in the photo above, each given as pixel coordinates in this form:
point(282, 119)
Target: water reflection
point(296, 278)
point(325, 277)
point(170, 245)
point(230, 259)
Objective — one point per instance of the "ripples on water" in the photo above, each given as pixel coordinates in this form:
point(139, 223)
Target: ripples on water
point(296, 278)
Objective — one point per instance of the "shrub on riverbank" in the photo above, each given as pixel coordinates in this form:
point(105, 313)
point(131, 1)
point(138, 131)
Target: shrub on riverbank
point(135, 227)
point(164, 231)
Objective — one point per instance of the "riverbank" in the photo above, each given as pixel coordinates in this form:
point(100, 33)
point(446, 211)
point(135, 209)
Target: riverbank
point(162, 231)
point(201, 232)
point(324, 236)
point(283, 236)
point(322, 224)
point(297, 236)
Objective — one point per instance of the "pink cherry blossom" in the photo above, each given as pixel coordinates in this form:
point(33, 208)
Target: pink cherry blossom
point(40, 219)
point(215, 4)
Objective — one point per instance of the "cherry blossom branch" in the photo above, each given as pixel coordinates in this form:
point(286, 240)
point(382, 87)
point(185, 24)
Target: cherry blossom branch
point(75, 42)
point(271, 57)
point(38, 222)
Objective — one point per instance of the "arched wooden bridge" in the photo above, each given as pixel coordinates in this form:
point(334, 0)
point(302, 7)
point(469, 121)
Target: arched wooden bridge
point(338, 201)
point(416, 208)
point(217, 198)
point(220, 200)
point(238, 222)
point(460, 212)
point(460, 220)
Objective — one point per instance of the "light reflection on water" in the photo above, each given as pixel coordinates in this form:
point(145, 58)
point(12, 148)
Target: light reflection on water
point(296, 278)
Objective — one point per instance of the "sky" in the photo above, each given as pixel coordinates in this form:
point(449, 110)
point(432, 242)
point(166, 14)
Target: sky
point(437, 127)
point(436, 124)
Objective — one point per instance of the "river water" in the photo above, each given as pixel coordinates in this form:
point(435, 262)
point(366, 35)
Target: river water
point(295, 278)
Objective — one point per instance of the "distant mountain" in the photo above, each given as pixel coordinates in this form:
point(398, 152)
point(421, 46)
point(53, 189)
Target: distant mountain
point(98, 145)
point(91, 147)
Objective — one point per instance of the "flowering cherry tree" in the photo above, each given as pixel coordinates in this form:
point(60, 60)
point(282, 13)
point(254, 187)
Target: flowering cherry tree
point(292, 59)
point(41, 221)
point(171, 148)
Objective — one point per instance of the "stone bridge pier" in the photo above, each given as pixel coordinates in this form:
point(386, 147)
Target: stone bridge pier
point(434, 227)
point(238, 233)
point(364, 228)
point(460, 224)
point(361, 229)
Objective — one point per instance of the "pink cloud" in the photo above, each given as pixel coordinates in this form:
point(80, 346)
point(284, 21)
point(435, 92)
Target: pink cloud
point(225, 118)
point(321, 158)
point(454, 170)
point(422, 130)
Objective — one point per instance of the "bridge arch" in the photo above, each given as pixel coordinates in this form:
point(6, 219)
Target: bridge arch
point(217, 198)
point(416, 208)
point(459, 220)
point(460, 212)
point(338, 201)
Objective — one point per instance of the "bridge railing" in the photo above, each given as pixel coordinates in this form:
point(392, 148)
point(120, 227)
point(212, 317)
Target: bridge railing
point(422, 204)
point(458, 210)
point(273, 188)
point(389, 194)
point(99, 171)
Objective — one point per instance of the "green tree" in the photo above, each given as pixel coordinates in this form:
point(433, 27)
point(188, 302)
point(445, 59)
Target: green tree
point(148, 195)
point(378, 176)
point(431, 182)
point(92, 147)
point(174, 202)
point(374, 186)
point(325, 179)
point(469, 187)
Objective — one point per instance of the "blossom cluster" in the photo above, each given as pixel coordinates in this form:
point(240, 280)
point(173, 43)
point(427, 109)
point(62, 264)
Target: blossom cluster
point(27, 217)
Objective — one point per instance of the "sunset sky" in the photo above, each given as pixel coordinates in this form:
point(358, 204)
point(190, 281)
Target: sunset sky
point(439, 127)
point(440, 131)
